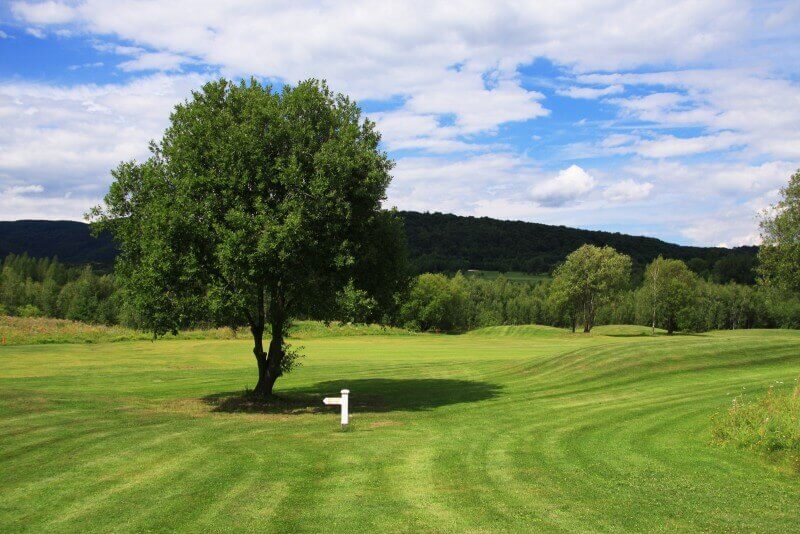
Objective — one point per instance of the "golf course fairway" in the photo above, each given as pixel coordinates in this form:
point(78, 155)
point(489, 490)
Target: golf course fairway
point(505, 429)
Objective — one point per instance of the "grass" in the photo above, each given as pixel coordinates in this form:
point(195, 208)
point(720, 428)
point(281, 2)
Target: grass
point(770, 425)
point(512, 276)
point(478, 433)
point(41, 330)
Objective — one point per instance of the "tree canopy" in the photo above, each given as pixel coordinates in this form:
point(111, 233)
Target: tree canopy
point(255, 206)
point(589, 277)
point(669, 288)
point(779, 254)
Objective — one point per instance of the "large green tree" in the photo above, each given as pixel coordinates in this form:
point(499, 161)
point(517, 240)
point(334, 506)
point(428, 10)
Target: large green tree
point(779, 254)
point(669, 289)
point(590, 277)
point(256, 205)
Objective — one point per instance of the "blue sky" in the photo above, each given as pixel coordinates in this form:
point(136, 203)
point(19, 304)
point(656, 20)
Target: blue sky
point(676, 119)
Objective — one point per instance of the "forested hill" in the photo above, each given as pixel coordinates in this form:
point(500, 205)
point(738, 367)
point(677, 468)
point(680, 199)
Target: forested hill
point(436, 242)
point(444, 242)
point(70, 241)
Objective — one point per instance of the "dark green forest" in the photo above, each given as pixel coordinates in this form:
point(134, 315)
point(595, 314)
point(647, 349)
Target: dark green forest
point(436, 242)
point(440, 242)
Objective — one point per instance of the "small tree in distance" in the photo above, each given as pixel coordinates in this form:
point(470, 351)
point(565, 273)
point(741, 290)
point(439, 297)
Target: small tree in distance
point(256, 205)
point(590, 277)
point(669, 287)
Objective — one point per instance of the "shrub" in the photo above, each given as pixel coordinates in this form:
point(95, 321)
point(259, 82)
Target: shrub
point(29, 310)
point(769, 425)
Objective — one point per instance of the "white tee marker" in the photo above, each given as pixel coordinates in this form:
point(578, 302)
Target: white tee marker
point(344, 404)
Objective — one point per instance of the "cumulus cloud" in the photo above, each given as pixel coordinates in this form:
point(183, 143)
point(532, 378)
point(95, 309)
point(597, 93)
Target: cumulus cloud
point(567, 186)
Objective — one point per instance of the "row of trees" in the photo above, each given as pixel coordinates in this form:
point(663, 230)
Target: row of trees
point(593, 287)
point(46, 287)
point(590, 287)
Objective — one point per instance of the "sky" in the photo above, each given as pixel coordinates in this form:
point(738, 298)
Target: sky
point(674, 119)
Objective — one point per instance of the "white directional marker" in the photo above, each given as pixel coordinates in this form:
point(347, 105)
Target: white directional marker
point(342, 401)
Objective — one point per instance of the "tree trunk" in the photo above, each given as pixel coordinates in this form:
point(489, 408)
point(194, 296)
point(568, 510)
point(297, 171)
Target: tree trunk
point(269, 364)
point(261, 359)
point(588, 317)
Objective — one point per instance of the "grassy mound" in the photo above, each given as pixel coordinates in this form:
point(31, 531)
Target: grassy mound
point(535, 330)
point(625, 330)
point(770, 425)
point(526, 330)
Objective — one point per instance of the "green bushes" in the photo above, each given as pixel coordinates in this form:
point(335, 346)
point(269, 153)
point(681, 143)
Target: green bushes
point(31, 287)
point(769, 425)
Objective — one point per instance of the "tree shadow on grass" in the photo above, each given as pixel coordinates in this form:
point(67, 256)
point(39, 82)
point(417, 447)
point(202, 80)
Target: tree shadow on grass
point(367, 395)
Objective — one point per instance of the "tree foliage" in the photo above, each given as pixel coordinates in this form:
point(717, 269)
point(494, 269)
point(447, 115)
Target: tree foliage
point(589, 278)
point(255, 206)
point(779, 254)
point(669, 288)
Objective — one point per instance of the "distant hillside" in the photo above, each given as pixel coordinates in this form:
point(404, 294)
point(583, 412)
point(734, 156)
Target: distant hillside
point(436, 242)
point(71, 241)
point(444, 242)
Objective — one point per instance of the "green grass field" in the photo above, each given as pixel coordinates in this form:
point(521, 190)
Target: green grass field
point(506, 429)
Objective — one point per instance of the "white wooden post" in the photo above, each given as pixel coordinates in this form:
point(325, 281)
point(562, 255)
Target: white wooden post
point(342, 401)
point(345, 407)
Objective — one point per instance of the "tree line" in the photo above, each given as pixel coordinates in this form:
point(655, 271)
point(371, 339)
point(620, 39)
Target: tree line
point(34, 287)
point(593, 286)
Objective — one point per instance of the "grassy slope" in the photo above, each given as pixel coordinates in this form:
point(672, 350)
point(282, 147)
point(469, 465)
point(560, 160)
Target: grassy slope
point(475, 432)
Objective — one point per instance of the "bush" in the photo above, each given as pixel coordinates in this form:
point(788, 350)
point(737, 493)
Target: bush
point(769, 425)
point(29, 310)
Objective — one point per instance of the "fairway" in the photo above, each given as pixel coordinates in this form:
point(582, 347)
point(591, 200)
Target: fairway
point(498, 430)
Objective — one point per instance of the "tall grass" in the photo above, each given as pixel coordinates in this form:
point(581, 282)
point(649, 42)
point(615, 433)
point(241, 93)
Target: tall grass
point(41, 330)
point(770, 425)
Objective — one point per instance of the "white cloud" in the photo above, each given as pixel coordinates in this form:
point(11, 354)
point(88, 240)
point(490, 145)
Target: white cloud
point(35, 32)
point(452, 83)
point(44, 12)
point(23, 189)
point(92, 65)
point(762, 111)
point(68, 138)
point(628, 191)
point(28, 202)
point(568, 185)
point(4, 35)
point(591, 92)
point(161, 61)
point(670, 146)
